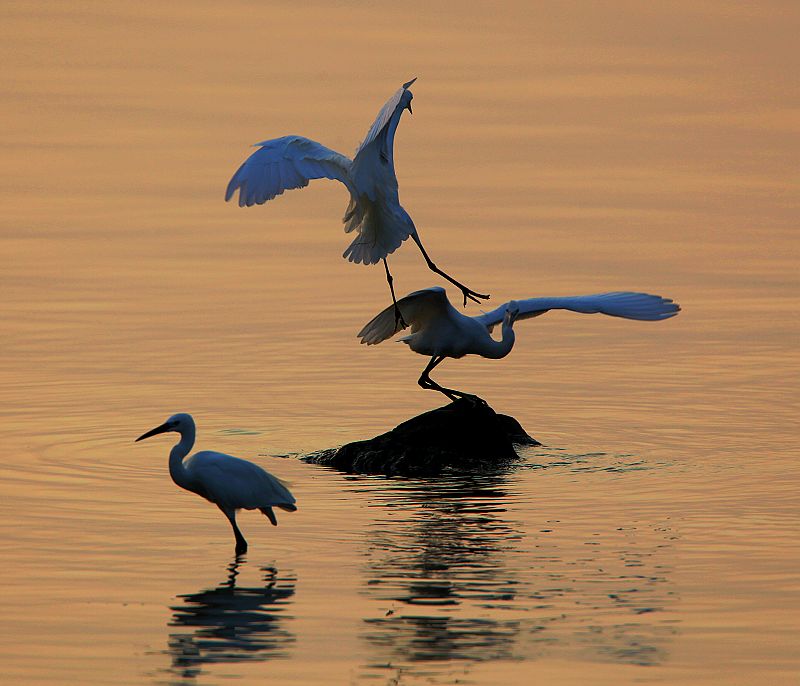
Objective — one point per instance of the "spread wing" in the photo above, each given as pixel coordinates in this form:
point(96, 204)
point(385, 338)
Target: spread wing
point(417, 308)
point(285, 163)
point(642, 306)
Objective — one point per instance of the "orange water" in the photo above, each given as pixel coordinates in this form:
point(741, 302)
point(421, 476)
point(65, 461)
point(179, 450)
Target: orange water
point(557, 148)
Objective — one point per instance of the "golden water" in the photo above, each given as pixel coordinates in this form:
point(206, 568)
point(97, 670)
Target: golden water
point(556, 148)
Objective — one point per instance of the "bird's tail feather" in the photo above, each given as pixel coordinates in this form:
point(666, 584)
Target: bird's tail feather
point(379, 231)
point(269, 514)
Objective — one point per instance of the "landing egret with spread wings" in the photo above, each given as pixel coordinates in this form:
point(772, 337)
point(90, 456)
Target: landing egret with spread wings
point(439, 330)
point(374, 213)
point(229, 482)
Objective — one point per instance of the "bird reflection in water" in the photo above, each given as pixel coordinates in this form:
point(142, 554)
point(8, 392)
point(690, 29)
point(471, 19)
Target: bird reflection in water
point(231, 623)
point(443, 547)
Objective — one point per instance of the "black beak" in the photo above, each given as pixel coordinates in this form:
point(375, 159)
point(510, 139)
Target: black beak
point(408, 107)
point(154, 432)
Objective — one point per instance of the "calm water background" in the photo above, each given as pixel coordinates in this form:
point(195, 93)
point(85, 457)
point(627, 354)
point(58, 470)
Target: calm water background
point(556, 148)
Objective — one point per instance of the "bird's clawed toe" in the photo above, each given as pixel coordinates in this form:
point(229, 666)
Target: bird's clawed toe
point(474, 400)
point(473, 296)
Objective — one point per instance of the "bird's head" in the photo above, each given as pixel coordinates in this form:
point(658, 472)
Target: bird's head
point(512, 312)
point(408, 96)
point(178, 422)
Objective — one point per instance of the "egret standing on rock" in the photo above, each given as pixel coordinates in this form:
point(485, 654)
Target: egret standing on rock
point(374, 213)
point(228, 482)
point(440, 331)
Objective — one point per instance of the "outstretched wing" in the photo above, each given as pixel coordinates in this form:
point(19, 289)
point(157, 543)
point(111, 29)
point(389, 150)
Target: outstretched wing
point(642, 306)
point(384, 116)
point(417, 308)
point(285, 163)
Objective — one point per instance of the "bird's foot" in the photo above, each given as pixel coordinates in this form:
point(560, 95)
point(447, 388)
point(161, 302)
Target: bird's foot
point(241, 549)
point(455, 396)
point(474, 400)
point(475, 297)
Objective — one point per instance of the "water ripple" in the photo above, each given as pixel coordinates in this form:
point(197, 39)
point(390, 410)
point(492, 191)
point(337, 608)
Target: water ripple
point(459, 581)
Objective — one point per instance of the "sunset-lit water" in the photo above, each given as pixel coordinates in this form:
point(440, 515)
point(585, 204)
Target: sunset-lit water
point(559, 148)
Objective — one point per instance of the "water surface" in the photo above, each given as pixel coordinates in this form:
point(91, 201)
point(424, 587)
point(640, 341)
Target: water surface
point(559, 148)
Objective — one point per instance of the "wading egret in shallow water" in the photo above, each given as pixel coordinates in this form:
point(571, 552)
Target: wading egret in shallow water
point(374, 213)
point(440, 331)
point(228, 482)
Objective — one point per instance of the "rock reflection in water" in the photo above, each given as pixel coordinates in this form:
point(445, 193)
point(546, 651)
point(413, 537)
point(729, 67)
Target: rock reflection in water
point(459, 583)
point(442, 547)
point(231, 623)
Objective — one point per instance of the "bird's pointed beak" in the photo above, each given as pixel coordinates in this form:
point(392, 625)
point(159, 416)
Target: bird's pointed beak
point(154, 432)
point(408, 107)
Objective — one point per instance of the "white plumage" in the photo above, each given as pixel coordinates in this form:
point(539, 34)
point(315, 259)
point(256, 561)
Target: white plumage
point(374, 212)
point(229, 482)
point(625, 304)
point(439, 330)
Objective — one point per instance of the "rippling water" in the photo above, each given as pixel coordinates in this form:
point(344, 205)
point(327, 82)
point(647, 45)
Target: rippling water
point(464, 583)
point(558, 148)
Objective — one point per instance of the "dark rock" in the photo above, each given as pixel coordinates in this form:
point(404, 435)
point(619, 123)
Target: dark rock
point(515, 432)
point(460, 436)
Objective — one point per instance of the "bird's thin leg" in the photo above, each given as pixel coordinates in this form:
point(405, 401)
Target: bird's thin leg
point(426, 382)
point(241, 543)
point(398, 315)
point(466, 292)
point(449, 392)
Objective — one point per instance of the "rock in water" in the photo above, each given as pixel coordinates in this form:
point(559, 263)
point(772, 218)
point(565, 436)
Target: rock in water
point(460, 436)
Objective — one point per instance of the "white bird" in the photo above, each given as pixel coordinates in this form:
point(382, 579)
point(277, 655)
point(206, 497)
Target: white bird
point(229, 482)
point(440, 331)
point(374, 213)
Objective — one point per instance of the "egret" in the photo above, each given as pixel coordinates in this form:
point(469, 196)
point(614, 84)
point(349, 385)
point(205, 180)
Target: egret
point(228, 482)
point(439, 330)
point(374, 212)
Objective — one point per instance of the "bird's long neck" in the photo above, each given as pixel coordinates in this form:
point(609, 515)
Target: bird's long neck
point(496, 349)
point(388, 134)
point(180, 450)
